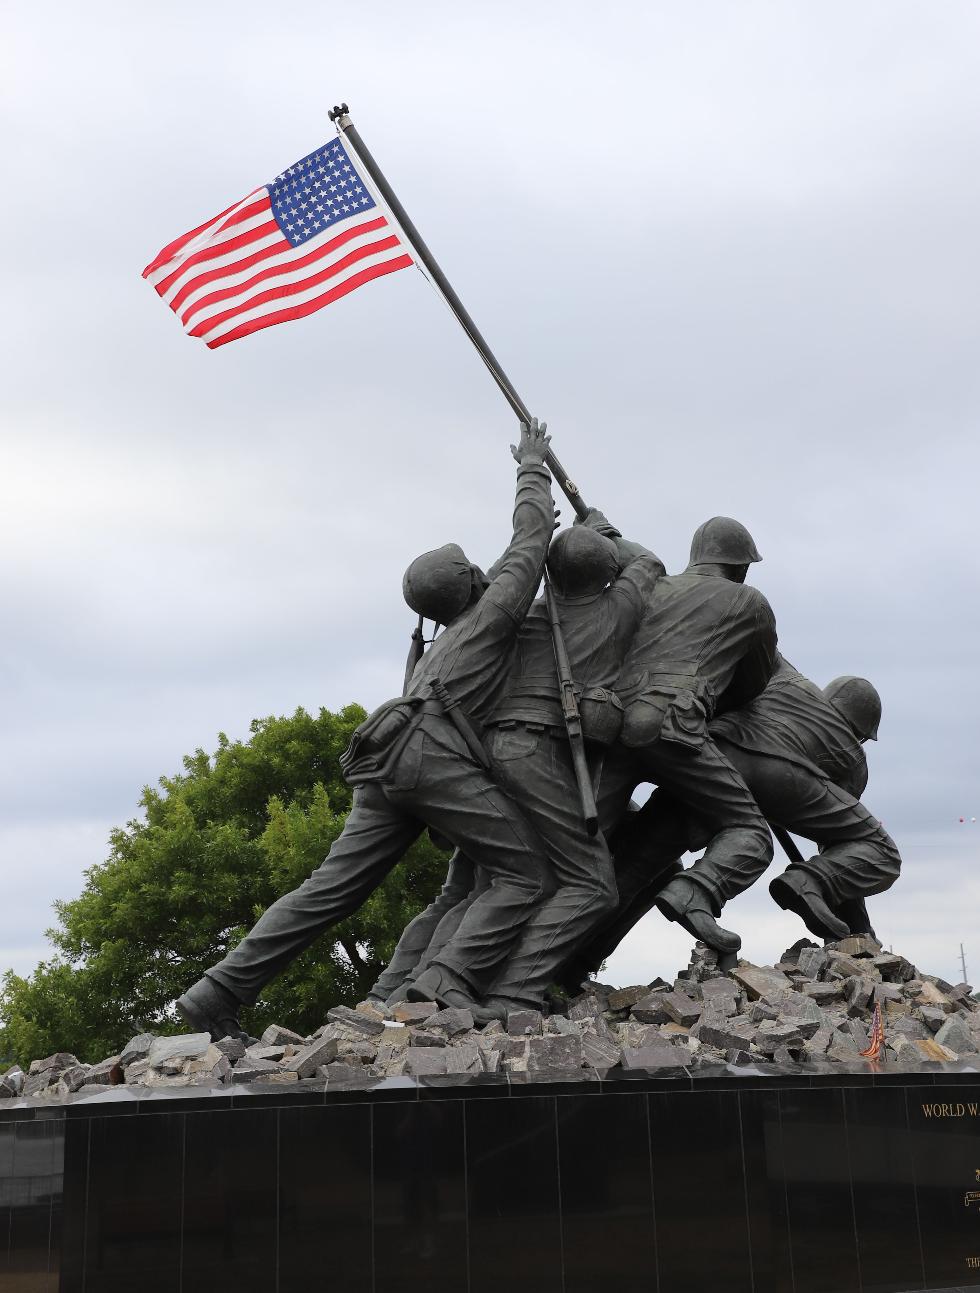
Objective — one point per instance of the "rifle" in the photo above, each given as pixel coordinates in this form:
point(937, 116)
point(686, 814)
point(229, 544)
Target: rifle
point(573, 720)
point(786, 842)
point(415, 652)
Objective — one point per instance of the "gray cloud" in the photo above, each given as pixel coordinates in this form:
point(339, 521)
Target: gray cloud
point(729, 251)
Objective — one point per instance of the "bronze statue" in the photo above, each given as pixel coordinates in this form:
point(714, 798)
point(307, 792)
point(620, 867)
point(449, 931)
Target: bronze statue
point(799, 751)
point(706, 636)
point(602, 586)
point(411, 764)
point(520, 736)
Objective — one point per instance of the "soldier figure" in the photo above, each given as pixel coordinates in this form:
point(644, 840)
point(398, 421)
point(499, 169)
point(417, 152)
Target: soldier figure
point(857, 857)
point(799, 751)
point(602, 584)
point(706, 638)
point(417, 760)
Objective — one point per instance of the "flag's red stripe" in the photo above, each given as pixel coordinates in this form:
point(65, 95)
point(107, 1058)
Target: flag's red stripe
point(309, 307)
point(216, 275)
point(291, 289)
point(286, 267)
point(211, 250)
point(172, 248)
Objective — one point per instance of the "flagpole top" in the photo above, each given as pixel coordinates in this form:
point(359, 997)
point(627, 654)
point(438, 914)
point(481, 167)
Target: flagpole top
point(338, 114)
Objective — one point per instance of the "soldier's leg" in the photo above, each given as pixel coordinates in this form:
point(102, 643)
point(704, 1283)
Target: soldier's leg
point(851, 870)
point(647, 847)
point(537, 769)
point(619, 776)
point(417, 935)
point(451, 921)
point(461, 801)
point(740, 845)
point(857, 856)
point(374, 838)
point(854, 914)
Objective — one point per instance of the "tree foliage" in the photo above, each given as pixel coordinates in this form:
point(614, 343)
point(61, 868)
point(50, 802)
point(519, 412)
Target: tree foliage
point(215, 846)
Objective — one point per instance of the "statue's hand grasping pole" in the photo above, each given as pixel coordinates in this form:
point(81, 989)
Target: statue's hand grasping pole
point(427, 262)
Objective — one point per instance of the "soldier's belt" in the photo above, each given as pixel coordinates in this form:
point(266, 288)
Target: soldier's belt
point(554, 729)
point(435, 709)
point(670, 677)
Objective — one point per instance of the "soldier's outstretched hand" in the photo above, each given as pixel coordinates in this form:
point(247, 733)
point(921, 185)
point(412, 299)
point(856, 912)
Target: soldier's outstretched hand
point(533, 444)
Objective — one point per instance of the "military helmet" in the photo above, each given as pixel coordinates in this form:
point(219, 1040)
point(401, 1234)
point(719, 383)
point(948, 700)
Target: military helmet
point(723, 542)
point(858, 703)
point(581, 560)
point(438, 584)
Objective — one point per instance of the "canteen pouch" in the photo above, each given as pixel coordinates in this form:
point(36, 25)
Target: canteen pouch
point(668, 709)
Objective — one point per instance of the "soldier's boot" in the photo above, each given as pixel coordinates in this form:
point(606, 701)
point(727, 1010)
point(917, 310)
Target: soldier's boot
point(687, 903)
point(440, 985)
point(854, 913)
point(798, 891)
point(210, 1008)
point(499, 1008)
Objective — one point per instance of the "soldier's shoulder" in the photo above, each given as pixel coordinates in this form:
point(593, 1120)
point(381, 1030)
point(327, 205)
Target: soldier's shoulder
point(756, 599)
point(754, 594)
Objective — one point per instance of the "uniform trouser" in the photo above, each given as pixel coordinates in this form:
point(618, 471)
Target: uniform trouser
point(615, 786)
point(433, 782)
point(647, 847)
point(739, 845)
point(536, 768)
point(857, 856)
point(419, 935)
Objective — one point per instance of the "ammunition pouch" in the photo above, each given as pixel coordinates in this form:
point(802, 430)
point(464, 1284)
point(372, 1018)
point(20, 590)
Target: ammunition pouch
point(376, 739)
point(601, 712)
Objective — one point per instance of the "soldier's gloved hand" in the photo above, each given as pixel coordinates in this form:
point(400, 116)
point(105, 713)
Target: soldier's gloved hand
point(597, 520)
point(534, 443)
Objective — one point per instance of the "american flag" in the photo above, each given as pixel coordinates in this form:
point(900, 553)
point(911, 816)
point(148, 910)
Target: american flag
point(314, 234)
point(877, 1043)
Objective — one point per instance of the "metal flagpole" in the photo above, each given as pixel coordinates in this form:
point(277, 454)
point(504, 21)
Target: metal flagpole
point(343, 123)
point(786, 843)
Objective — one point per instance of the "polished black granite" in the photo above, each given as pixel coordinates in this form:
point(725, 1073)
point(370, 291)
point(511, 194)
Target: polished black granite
point(792, 1182)
point(32, 1156)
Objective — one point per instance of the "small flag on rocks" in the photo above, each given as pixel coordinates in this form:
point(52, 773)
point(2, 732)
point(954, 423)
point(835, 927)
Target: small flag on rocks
point(877, 1044)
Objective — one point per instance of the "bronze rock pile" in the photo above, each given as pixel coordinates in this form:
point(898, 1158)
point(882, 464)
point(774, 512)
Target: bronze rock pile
point(811, 1011)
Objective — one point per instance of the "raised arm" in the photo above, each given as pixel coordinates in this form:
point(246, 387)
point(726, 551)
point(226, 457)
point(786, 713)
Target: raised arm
point(639, 568)
point(515, 577)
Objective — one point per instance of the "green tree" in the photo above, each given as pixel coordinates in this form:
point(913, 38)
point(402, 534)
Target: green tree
point(216, 845)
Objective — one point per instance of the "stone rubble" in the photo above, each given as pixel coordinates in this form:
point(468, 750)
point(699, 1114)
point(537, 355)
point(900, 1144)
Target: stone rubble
point(813, 1007)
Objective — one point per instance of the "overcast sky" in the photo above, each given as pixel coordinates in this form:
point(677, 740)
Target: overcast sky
point(729, 251)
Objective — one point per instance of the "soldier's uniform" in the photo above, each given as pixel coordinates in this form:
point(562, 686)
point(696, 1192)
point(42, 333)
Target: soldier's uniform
point(803, 762)
point(531, 760)
point(411, 767)
point(419, 937)
point(704, 636)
